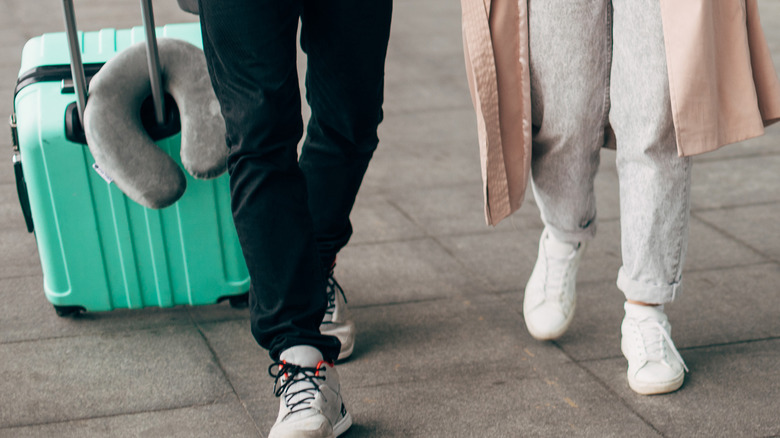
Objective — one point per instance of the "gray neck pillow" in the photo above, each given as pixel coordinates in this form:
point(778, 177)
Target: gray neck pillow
point(190, 6)
point(120, 144)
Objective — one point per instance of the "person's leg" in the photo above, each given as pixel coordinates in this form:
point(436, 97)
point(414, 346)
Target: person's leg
point(346, 43)
point(654, 181)
point(251, 49)
point(654, 194)
point(570, 52)
point(251, 52)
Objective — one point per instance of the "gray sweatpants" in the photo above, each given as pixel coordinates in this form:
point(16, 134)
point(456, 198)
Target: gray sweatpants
point(599, 62)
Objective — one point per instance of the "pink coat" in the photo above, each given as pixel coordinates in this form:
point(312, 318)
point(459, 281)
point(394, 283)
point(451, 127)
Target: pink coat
point(723, 84)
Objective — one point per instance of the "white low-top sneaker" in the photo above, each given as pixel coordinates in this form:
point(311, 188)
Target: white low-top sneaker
point(311, 405)
point(550, 299)
point(654, 364)
point(338, 321)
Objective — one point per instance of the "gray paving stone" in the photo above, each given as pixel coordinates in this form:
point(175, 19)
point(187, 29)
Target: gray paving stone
point(408, 345)
point(607, 191)
point(430, 75)
point(406, 160)
point(375, 219)
point(709, 248)
point(398, 343)
point(595, 330)
point(716, 307)
point(441, 55)
point(442, 348)
point(736, 182)
point(412, 17)
point(456, 209)
point(32, 19)
point(395, 346)
point(607, 160)
point(416, 342)
point(245, 363)
point(504, 258)
point(107, 374)
point(717, 179)
point(7, 181)
point(732, 390)
point(401, 170)
point(507, 258)
point(27, 315)
point(770, 20)
point(20, 255)
point(10, 210)
point(431, 94)
point(223, 418)
point(403, 271)
point(768, 144)
point(11, 61)
point(605, 183)
point(222, 311)
point(486, 404)
point(728, 305)
point(440, 134)
point(417, 150)
point(758, 227)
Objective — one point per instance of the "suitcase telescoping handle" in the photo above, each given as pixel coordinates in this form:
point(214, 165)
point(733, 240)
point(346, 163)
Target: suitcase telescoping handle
point(77, 66)
point(153, 59)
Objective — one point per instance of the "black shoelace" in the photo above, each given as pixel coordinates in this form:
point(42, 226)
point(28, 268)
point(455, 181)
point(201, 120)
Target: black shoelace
point(289, 375)
point(330, 291)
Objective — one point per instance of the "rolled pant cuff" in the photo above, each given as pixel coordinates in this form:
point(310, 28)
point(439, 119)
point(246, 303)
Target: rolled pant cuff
point(647, 292)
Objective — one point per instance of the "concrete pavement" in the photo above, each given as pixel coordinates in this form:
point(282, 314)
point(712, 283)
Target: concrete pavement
point(442, 350)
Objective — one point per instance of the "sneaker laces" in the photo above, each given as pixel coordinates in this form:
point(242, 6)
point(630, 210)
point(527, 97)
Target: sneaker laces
point(332, 288)
point(298, 384)
point(653, 336)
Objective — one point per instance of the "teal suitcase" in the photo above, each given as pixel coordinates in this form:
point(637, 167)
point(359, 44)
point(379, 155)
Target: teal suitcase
point(98, 249)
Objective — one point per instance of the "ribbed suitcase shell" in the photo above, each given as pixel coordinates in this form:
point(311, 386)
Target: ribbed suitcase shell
point(100, 250)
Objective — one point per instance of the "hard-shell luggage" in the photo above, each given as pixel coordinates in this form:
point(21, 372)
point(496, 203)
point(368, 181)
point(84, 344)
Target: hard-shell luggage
point(98, 249)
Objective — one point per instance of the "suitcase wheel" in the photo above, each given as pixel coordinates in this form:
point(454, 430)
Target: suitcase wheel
point(240, 301)
point(64, 311)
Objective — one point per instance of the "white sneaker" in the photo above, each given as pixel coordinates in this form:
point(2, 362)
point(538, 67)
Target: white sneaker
point(654, 364)
point(311, 405)
point(550, 300)
point(338, 321)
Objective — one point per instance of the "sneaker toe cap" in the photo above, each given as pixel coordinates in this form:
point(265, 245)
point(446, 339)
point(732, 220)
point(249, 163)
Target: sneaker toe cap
point(656, 378)
point(312, 426)
point(547, 321)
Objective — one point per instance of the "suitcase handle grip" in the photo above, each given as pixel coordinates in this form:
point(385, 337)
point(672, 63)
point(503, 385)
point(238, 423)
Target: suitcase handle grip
point(77, 66)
